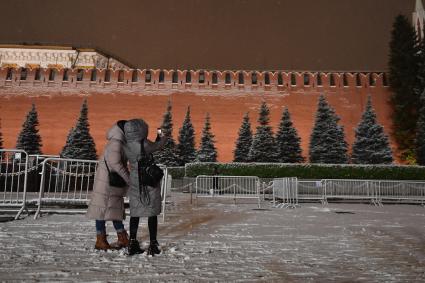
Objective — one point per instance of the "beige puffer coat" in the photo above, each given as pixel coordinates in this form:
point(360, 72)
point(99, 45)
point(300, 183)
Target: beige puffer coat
point(107, 203)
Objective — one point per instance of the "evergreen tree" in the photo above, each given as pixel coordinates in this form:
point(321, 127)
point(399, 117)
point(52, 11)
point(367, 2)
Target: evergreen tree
point(371, 145)
point(29, 139)
point(207, 151)
point(186, 147)
point(244, 141)
point(288, 141)
point(168, 154)
point(327, 143)
point(263, 148)
point(80, 144)
point(420, 133)
point(66, 150)
point(420, 85)
point(420, 124)
point(403, 65)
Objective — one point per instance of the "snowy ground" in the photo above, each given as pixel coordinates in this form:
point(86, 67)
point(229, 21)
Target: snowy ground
point(220, 241)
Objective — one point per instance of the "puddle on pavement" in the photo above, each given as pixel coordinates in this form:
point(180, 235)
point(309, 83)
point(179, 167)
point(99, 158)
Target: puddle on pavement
point(344, 212)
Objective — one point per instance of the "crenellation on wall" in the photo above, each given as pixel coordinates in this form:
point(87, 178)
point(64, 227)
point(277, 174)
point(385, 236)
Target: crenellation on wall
point(131, 80)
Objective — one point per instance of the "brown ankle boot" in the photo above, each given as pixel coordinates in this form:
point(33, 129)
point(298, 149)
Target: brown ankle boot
point(102, 242)
point(122, 240)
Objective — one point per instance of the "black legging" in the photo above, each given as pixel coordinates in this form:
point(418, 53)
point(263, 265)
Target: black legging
point(152, 224)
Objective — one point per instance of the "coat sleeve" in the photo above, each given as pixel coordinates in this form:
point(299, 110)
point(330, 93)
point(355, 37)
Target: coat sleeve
point(150, 146)
point(116, 159)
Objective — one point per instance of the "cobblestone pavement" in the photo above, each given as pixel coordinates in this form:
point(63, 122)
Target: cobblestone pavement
point(220, 241)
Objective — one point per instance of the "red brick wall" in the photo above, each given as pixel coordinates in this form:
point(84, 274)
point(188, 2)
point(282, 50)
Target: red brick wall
point(58, 104)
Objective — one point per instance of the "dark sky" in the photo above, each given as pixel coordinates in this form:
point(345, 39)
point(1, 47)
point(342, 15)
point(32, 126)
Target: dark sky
point(215, 34)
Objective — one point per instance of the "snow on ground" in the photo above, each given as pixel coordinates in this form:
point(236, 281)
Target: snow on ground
point(219, 241)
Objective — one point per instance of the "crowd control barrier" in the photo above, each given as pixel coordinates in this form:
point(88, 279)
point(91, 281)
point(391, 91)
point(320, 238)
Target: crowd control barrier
point(235, 187)
point(286, 190)
point(67, 182)
point(13, 179)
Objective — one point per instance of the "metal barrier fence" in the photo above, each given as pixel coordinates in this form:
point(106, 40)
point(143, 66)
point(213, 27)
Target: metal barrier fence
point(266, 190)
point(165, 185)
point(285, 189)
point(352, 190)
point(19, 176)
point(311, 190)
point(228, 187)
point(408, 191)
point(70, 182)
point(375, 191)
point(183, 184)
point(13, 179)
point(66, 181)
point(34, 174)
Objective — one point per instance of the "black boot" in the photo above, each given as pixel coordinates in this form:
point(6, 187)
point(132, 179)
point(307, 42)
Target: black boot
point(134, 247)
point(154, 248)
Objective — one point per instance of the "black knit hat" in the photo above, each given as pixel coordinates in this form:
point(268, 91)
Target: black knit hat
point(121, 124)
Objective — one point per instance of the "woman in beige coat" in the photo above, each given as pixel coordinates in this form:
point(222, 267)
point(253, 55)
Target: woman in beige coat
point(107, 202)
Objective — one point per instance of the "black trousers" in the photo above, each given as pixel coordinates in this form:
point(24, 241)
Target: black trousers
point(152, 225)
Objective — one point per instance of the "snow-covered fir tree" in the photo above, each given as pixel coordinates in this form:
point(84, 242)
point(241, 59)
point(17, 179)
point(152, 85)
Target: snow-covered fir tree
point(168, 154)
point(29, 139)
point(66, 150)
point(263, 147)
point(288, 141)
point(420, 133)
point(207, 151)
point(186, 147)
point(244, 141)
point(327, 140)
point(371, 145)
point(80, 144)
